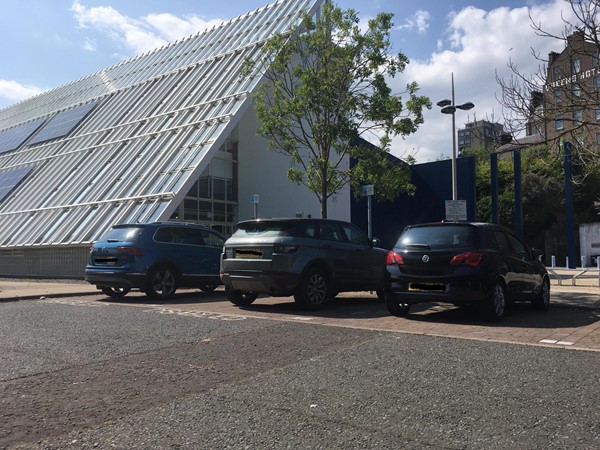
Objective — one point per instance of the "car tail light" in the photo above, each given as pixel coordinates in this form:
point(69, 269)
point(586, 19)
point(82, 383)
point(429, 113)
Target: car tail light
point(469, 258)
point(130, 250)
point(394, 258)
point(279, 248)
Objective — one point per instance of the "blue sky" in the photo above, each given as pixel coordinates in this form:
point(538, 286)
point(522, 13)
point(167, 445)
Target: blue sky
point(49, 43)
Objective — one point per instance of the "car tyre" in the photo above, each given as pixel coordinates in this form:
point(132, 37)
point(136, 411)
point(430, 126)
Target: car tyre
point(238, 297)
point(115, 292)
point(495, 307)
point(395, 305)
point(313, 291)
point(162, 282)
point(208, 287)
point(541, 302)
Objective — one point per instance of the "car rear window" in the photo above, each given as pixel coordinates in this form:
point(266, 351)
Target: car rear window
point(453, 236)
point(122, 234)
point(263, 229)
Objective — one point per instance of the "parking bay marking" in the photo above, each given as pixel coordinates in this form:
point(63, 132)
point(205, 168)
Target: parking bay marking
point(200, 315)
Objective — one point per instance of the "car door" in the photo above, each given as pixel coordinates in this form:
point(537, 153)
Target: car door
point(368, 265)
point(512, 263)
point(334, 249)
point(527, 265)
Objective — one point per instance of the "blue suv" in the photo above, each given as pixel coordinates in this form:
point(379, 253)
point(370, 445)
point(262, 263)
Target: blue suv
point(156, 258)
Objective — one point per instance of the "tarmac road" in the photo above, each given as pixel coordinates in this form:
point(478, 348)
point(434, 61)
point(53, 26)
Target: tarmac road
point(196, 372)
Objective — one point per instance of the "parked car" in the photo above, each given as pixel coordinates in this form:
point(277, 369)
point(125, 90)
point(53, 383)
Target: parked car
point(311, 259)
point(479, 264)
point(156, 258)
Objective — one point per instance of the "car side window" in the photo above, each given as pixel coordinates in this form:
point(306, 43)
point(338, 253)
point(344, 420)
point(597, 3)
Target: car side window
point(212, 239)
point(164, 235)
point(330, 232)
point(517, 246)
point(501, 241)
point(355, 235)
point(189, 236)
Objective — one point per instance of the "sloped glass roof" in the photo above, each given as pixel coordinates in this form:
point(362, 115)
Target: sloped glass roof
point(158, 120)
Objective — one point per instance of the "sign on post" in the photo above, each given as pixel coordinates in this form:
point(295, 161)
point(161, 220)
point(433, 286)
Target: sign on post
point(254, 199)
point(456, 210)
point(368, 190)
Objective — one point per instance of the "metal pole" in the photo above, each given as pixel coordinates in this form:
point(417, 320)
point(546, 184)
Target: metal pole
point(494, 183)
point(369, 216)
point(454, 182)
point(569, 205)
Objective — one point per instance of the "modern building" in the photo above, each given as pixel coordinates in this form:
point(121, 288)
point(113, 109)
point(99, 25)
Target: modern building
point(571, 102)
point(480, 134)
point(169, 134)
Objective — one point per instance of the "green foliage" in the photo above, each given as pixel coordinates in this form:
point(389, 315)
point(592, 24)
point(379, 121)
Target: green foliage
point(542, 187)
point(327, 86)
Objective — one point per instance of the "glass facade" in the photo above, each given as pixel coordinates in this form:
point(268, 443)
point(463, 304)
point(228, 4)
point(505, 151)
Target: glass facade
point(212, 200)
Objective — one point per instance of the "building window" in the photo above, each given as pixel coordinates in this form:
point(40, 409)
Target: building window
point(576, 89)
point(557, 95)
point(558, 124)
point(597, 83)
point(556, 73)
point(578, 117)
point(597, 112)
point(598, 139)
point(595, 59)
point(575, 66)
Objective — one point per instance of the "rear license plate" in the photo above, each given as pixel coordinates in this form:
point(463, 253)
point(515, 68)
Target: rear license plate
point(248, 253)
point(429, 287)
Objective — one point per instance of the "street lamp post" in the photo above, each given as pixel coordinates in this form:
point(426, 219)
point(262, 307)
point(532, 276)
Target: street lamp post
point(449, 107)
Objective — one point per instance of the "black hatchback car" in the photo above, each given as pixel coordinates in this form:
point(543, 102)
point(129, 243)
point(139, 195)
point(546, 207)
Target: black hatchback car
point(462, 263)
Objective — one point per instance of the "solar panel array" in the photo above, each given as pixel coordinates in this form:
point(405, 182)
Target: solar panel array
point(10, 179)
point(157, 121)
point(62, 123)
point(12, 138)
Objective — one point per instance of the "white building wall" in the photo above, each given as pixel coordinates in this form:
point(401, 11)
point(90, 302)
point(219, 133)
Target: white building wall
point(264, 172)
point(589, 242)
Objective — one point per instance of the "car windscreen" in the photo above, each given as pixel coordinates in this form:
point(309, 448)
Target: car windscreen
point(122, 234)
point(437, 237)
point(263, 229)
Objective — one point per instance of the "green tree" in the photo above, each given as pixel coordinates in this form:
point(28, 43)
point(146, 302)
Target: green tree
point(327, 87)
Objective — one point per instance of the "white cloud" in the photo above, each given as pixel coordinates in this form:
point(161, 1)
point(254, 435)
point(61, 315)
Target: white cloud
point(478, 44)
point(15, 92)
point(419, 21)
point(138, 35)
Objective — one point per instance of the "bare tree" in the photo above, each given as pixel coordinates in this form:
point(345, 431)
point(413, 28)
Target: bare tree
point(560, 100)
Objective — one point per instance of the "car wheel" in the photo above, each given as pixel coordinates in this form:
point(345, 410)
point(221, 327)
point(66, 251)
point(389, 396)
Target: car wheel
point(162, 282)
point(115, 292)
point(396, 306)
point(208, 287)
point(312, 292)
point(238, 297)
point(496, 305)
point(541, 302)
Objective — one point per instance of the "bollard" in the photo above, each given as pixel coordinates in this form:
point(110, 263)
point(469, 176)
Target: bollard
point(583, 262)
point(567, 262)
point(554, 261)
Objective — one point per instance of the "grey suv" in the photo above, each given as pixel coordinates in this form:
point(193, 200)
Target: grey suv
point(311, 259)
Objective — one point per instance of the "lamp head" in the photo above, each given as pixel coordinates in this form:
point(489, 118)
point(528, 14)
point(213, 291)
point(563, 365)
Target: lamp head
point(444, 102)
point(448, 109)
point(466, 106)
